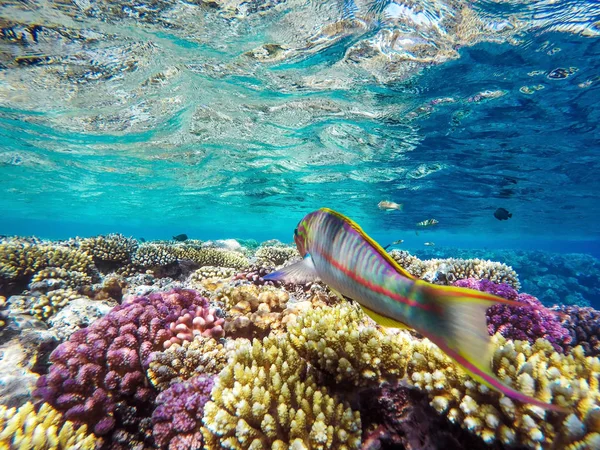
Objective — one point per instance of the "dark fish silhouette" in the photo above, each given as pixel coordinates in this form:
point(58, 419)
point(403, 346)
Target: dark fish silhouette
point(142, 239)
point(502, 214)
point(180, 237)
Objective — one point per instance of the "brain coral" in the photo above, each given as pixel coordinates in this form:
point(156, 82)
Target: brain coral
point(44, 429)
point(267, 398)
point(98, 376)
point(177, 419)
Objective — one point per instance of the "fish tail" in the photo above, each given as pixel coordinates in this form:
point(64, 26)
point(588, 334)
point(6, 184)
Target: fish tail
point(457, 324)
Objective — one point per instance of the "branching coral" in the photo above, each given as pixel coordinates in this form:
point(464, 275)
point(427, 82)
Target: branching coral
point(253, 311)
point(447, 271)
point(266, 397)
point(27, 428)
point(212, 257)
point(181, 362)
point(341, 342)
point(98, 376)
point(69, 278)
point(276, 255)
point(177, 419)
point(112, 247)
point(154, 255)
point(210, 277)
point(530, 322)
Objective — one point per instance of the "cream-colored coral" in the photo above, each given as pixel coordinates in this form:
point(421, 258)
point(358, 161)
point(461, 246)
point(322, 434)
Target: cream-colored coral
point(447, 271)
point(45, 306)
point(210, 278)
point(112, 247)
point(266, 398)
point(208, 256)
point(181, 362)
point(153, 255)
point(536, 370)
point(276, 255)
point(344, 343)
point(253, 311)
point(27, 428)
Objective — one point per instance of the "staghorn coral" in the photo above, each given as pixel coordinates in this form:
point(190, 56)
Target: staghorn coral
point(181, 362)
point(340, 341)
point(266, 397)
point(536, 370)
point(177, 419)
point(529, 323)
point(45, 306)
point(98, 376)
point(111, 248)
point(583, 325)
point(447, 271)
point(43, 429)
point(276, 255)
point(199, 321)
point(253, 311)
point(153, 255)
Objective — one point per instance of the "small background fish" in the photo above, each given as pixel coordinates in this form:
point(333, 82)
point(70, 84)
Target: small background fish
point(387, 205)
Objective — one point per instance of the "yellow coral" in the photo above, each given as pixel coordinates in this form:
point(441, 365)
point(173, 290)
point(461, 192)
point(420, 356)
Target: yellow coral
point(45, 306)
point(72, 279)
point(112, 247)
point(265, 398)
point(181, 362)
point(342, 342)
point(276, 255)
point(45, 429)
point(210, 278)
point(211, 256)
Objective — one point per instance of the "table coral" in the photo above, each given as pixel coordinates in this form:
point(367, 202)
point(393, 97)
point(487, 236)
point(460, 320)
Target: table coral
point(98, 376)
point(267, 398)
point(583, 325)
point(177, 419)
point(44, 429)
point(529, 322)
point(181, 362)
point(341, 342)
point(253, 311)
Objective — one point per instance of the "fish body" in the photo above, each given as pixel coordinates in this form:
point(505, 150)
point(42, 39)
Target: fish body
point(427, 223)
point(502, 214)
point(387, 205)
point(429, 244)
point(337, 251)
point(180, 237)
point(398, 242)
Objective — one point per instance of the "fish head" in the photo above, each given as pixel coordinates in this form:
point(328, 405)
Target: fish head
point(301, 237)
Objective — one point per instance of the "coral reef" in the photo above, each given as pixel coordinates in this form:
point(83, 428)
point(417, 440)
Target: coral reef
point(340, 341)
point(110, 248)
point(200, 321)
point(583, 325)
point(45, 306)
point(528, 323)
point(98, 376)
point(53, 277)
point(177, 419)
point(44, 429)
point(266, 397)
point(154, 255)
point(447, 271)
point(276, 255)
point(253, 311)
point(181, 362)
point(212, 257)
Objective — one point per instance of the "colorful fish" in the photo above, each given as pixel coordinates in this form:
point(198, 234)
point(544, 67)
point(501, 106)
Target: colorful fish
point(427, 223)
point(337, 251)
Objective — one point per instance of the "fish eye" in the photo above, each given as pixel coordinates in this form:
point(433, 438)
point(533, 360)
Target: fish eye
point(296, 232)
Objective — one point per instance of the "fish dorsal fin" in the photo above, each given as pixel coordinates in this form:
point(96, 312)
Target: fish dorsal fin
point(401, 270)
point(384, 321)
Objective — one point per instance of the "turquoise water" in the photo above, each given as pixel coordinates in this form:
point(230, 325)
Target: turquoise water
point(235, 119)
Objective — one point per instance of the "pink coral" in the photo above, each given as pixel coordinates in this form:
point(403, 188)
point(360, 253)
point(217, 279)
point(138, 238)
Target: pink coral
point(202, 321)
point(98, 377)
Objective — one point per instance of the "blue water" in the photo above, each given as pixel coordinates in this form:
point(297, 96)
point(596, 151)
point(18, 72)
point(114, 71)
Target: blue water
point(174, 119)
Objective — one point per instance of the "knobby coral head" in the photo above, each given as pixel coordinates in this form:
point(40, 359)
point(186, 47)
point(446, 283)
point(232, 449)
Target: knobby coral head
point(98, 377)
point(527, 323)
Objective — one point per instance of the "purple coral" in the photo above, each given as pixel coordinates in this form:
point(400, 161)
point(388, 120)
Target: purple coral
point(98, 376)
point(520, 323)
point(178, 416)
point(584, 327)
point(202, 321)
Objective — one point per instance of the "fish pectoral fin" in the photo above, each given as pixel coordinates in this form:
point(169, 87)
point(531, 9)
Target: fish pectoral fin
point(298, 273)
point(384, 321)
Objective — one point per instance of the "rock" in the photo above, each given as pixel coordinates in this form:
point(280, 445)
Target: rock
point(78, 313)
